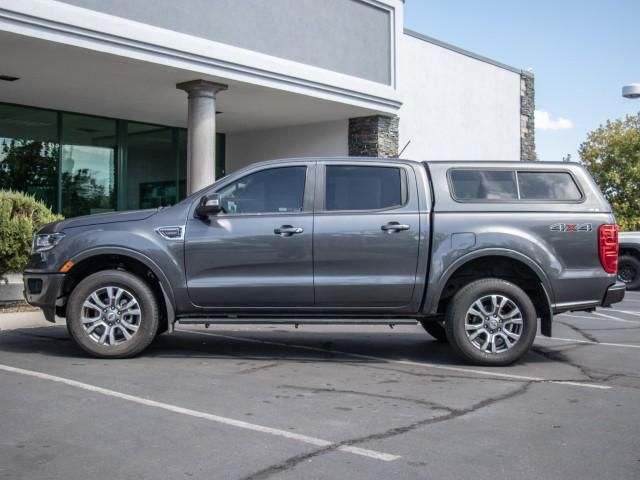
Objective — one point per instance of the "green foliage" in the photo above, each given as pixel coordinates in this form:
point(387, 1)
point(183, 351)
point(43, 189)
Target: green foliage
point(612, 155)
point(29, 166)
point(20, 217)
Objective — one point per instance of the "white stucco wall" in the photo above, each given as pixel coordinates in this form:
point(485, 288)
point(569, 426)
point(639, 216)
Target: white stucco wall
point(315, 139)
point(456, 107)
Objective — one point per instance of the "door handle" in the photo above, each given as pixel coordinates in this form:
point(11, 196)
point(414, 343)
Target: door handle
point(287, 230)
point(392, 227)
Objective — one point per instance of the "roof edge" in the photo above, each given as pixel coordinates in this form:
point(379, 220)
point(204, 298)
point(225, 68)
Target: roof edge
point(462, 51)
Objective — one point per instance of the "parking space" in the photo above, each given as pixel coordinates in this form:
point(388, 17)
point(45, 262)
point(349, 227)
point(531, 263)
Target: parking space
point(322, 402)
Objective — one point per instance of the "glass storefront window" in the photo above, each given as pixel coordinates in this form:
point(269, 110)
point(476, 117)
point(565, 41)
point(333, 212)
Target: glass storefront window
point(88, 160)
point(152, 166)
point(81, 164)
point(29, 152)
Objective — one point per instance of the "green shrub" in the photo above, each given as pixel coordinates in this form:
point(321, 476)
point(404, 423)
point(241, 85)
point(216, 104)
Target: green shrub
point(20, 217)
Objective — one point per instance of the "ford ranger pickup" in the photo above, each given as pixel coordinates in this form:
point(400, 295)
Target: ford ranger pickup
point(481, 254)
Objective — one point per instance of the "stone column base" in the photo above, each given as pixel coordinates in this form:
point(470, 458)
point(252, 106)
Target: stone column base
point(374, 136)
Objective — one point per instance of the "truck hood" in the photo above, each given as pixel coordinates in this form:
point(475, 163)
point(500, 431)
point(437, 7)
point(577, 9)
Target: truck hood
point(99, 219)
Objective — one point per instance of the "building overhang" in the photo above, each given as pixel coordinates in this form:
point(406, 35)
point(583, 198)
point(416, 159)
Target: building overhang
point(58, 23)
point(63, 77)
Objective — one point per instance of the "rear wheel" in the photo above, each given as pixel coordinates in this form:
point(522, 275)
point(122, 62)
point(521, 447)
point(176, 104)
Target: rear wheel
point(491, 322)
point(436, 330)
point(112, 314)
point(629, 271)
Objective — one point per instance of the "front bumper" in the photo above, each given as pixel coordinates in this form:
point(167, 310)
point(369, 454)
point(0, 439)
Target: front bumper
point(615, 294)
point(43, 290)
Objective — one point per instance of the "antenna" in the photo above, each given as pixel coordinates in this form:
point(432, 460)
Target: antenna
point(404, 148)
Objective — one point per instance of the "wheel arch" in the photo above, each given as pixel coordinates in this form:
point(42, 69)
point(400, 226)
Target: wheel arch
point(629, 249)
point(507, 264)
point(103, 258)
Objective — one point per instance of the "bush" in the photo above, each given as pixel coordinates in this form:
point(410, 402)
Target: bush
point(20, 217)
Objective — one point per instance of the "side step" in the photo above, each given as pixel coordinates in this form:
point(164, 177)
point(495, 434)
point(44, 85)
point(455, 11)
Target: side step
point(294, 321)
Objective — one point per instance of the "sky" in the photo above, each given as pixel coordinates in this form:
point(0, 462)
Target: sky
point(581, 53)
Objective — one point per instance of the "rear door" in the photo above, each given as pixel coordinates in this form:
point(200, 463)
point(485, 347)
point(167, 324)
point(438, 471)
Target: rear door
point(366, 235)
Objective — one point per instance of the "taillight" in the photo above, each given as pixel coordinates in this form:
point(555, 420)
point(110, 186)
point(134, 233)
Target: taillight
point(608, 247)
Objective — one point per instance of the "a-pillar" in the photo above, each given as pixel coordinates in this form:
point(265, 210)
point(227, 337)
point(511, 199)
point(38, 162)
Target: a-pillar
point(201, 132)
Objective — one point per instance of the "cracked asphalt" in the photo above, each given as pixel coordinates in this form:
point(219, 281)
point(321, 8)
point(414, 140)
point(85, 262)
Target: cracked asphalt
point(322, 402)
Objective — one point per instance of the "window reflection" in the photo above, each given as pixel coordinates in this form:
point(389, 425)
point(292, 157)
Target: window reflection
point(88, 165)
point(29, 152)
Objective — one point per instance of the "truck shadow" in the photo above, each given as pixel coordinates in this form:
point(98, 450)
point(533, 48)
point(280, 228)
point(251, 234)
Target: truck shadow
point(261, 345)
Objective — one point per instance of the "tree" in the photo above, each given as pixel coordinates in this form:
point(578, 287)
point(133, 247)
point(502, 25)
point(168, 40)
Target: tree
point(612, 154)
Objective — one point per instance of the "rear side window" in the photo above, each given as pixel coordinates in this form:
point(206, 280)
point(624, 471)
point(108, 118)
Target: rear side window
point(509, 185)
point(548, 186)
point(484, 184)
point(363, 188)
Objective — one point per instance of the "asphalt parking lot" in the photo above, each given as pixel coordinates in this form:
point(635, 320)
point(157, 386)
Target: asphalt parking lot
point(322, 402)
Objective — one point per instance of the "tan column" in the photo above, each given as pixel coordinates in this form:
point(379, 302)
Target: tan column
point(201, 132)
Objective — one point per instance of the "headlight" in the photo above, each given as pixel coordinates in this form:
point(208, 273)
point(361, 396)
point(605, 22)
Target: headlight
point(45, 241)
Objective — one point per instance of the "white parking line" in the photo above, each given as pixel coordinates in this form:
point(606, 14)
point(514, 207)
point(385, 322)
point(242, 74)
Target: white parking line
point(402, 362)
point(615, 319)
point(635, 314)
point(318, 442)
point(604, 344)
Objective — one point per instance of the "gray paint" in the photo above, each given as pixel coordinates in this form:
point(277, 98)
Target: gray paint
point(346, 36)
point(236, 264)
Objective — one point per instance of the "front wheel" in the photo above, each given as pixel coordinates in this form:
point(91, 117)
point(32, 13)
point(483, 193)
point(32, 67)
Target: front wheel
point(491, 322)
point(112, 314)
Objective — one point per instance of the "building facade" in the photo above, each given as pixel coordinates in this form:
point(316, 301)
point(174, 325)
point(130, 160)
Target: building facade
point(126, 104)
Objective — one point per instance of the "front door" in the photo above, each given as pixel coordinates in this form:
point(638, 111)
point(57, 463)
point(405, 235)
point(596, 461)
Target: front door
point(258, 253)
point(366, 235)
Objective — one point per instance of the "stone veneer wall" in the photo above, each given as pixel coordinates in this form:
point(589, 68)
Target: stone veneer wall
point(527, 122)
point(374, 136)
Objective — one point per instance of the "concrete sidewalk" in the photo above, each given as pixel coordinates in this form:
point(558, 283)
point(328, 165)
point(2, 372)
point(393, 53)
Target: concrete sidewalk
point(14, 320)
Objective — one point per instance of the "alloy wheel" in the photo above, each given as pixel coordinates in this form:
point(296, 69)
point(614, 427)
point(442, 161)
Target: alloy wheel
point(111, 315)
point(493, 323)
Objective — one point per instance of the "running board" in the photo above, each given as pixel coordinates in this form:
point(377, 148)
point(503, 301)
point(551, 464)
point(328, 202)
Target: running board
point(293, 321)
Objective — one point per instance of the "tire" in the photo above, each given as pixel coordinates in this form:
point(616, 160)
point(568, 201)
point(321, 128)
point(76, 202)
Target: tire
point(480, 339)
point(118, 303)
point(436, 330)
point(629, 271)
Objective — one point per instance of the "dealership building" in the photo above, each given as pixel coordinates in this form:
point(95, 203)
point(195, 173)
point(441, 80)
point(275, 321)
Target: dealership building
point(124, 104)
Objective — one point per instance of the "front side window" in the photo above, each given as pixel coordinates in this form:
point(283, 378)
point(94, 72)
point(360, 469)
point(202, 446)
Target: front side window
point(558, 186)
point(484, 184)
point(363, 188)
point(276, 190)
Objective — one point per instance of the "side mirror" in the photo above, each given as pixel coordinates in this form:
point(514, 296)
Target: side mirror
point(209, 205)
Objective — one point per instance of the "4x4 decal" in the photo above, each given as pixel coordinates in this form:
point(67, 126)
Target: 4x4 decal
point(571, 227)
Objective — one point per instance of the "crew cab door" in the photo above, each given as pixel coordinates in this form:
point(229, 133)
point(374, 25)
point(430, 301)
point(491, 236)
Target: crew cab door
point(258, 252)
point(366, 235)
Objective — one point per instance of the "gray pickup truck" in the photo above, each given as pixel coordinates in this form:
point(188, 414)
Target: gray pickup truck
point(477, 252)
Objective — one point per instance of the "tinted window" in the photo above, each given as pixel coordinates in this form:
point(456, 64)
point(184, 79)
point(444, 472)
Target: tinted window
point(547, 186)
point(484, 185)
point(276, 190)
point(363, 188)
